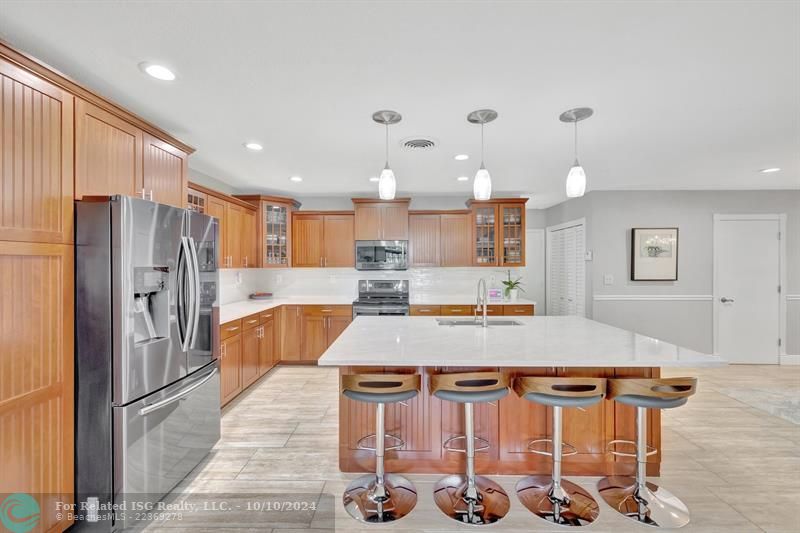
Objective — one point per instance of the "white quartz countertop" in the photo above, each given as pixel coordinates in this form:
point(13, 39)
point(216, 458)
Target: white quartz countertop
point(544, 341)
point(243, 308)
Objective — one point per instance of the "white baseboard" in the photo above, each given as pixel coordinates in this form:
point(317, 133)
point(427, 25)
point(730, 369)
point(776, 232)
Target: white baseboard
point(790, 359)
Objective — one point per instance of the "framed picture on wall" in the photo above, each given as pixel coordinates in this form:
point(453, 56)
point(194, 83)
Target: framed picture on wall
point(654, 254)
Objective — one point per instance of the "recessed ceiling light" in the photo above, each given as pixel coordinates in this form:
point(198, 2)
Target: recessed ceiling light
point(374, 178)
point(461, 157)
point(769, 170)
point(159, 72)
point(296, 179)
point(463, 178)
point(255, 147)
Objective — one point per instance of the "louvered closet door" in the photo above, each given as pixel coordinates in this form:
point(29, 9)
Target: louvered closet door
point(567, 272)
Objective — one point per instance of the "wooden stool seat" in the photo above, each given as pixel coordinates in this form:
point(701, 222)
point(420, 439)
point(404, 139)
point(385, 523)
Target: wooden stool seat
point(561, 391)
point(657, 393)
point(380, 388)
point(469, 387)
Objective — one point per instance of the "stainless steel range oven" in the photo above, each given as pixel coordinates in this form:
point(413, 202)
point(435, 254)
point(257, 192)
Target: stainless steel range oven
point(382, 297)
point(381, 255)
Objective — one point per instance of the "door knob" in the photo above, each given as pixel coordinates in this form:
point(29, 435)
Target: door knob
point(726, 300)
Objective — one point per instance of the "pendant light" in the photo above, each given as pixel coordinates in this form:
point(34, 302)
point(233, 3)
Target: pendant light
point(482, 186)
point(576, 179)
point(387, 185)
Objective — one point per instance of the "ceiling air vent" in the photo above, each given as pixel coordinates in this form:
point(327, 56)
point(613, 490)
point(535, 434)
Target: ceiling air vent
point(418, 144)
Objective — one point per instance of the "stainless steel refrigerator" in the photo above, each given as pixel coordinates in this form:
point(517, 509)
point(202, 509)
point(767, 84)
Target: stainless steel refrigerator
point(147, 379)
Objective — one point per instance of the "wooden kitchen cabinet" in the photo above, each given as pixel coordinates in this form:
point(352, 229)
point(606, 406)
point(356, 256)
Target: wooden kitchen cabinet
point(230, 365)
point(266, 348)
point(251, 339)
point(456, 310)
point(108, 153)
point(424, 239)
point(273, 235)
point(323, 239)
point(196, 200)
point(456, 237)
point(164, 171)
point(234, 220)
point(36, 177)
point(321, 325)
point(290, 332)
point(440, 238)
point(498, 232)
point(381, 220)
point(518, 310)
point(249, 245)
point(216, 208)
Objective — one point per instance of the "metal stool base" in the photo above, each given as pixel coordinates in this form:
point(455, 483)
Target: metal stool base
point(534, 493)
point(360, 504)
point(660, 507)
point(492, 504)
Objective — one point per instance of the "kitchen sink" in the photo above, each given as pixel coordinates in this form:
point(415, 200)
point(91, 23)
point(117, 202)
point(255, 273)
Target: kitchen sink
point(451, 322)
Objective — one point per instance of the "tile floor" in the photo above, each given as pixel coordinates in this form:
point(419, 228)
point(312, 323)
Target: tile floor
point(732, 454)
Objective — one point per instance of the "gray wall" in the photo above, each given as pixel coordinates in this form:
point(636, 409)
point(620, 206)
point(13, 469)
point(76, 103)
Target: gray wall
point(207, 181)
point(611, 214)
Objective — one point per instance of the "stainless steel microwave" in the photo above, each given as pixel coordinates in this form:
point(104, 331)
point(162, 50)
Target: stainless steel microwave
point(381, 255)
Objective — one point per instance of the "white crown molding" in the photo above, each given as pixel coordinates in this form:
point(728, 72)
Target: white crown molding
point(653, 297)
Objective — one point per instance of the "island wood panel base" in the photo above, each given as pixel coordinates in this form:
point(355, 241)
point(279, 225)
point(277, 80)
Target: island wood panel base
point(426, 422)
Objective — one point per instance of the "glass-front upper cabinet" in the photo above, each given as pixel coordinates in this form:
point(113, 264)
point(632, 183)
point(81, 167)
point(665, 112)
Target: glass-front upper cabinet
point(498, 232)
point(276, 234)
point(274, 228)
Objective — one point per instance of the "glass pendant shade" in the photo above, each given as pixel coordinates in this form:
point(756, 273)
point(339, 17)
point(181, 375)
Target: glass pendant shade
point(576, 181)
point(482, 186)
point(387, 185)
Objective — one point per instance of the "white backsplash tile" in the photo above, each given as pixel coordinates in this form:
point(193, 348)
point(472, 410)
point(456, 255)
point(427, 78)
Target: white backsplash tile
point(237, 284)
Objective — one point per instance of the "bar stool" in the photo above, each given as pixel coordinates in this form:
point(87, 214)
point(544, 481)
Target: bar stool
point(636, 498)
point(469, 498)
point(550, 497)
point(380, 497)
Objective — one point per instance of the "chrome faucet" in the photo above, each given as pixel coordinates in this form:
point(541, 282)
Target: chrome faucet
point(483, 297)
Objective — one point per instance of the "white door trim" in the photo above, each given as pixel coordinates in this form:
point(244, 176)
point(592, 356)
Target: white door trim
point(547, 248)
point(781, 218)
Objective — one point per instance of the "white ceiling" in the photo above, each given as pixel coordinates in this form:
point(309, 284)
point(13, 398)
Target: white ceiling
point(696, 95)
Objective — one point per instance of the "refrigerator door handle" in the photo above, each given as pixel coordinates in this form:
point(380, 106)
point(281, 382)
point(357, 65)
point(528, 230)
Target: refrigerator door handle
point(146, 410)
point(195, 293)
point(188, 272)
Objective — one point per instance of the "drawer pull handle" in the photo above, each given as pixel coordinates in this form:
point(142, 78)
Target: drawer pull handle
point(233, 328)
point(252, 321)
point(327, 310)
point(266, 316)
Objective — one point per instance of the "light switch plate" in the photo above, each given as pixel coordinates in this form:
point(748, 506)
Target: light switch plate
point(588, 255)
point(608, 279)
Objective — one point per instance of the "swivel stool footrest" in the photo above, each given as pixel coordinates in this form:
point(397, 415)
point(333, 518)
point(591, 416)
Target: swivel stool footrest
point(379, 497)
point(555, 499)
point(638, 499)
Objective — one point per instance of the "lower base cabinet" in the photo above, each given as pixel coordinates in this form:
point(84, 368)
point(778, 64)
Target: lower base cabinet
point(321, 325)
point(230, 365)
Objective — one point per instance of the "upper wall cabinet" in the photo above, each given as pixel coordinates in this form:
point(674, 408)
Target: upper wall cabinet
point(164, 171)
point(36, 174)
point(108, 153)
point(323, 239)
point(440, 238)
point(274, 228)
point(498, 232)
point(381, 220)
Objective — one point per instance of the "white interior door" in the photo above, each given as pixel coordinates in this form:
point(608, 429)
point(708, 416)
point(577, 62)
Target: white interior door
point(747, 301)
point(566, 270)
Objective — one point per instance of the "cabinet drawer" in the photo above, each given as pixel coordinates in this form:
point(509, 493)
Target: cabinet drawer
point(422, 310)
point(496, 310)
point(265, 316)
point(251, 321)
point(328, 310)
point(450, 310)
point(522, 309)
point(229, 329)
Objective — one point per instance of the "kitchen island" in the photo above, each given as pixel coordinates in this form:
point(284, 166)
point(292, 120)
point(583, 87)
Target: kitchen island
point(537, 346)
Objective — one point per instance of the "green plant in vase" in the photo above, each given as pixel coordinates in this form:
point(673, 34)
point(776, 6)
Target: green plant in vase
point(512, 287)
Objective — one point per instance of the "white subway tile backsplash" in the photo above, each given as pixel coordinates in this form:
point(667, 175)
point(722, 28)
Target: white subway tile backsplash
point(344, 281)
